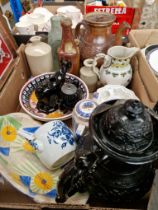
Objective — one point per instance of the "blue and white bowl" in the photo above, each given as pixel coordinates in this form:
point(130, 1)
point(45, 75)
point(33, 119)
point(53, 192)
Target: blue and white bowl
point(28, 100)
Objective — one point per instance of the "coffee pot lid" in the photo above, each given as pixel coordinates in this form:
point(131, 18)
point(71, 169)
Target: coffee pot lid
point(126, 130)
point(100, 18)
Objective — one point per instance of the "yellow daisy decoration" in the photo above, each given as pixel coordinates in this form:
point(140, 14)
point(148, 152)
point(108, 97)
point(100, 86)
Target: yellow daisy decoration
point(27, 147)
point(44, 181)
point(8, 133)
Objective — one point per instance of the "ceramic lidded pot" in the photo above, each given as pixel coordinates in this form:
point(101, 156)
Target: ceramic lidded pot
point(39, 56)
point(127, 131)
point(114, 161)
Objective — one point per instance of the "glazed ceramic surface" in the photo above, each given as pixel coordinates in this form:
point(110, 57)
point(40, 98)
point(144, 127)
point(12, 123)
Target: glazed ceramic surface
point(72, 12)
point(151, 55)
point(39, 18)
point(20, 165)
point(39, 56)
point(28, 100)
point(53, 142)
point(26, 28)
point(113, 92)
point(88, 76)
point(128, 130)
point(116, 69)
point(94, 33)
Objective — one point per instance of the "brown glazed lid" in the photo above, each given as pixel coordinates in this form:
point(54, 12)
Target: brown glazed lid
point(99, 19)
point(126, 130)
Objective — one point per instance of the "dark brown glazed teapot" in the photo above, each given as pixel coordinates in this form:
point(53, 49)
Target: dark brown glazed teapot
point(96, 37)
point(114, 160)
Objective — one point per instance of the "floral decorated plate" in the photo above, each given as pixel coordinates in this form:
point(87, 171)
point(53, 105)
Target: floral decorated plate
point(20, 165)
point(28, 99)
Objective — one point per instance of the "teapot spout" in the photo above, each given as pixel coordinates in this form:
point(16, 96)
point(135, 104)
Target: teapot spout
point(118, 37)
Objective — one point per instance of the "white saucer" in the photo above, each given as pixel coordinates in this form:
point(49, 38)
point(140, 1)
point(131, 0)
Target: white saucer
point(151, 54)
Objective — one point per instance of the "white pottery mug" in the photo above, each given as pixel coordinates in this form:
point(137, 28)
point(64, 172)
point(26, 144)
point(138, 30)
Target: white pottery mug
point(26, 28)
point(54, 143)
point(72, 12)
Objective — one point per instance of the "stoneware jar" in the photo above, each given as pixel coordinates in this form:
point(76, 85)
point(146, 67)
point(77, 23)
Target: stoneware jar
point(116, 69)
point(87, 74)
point(39, 56)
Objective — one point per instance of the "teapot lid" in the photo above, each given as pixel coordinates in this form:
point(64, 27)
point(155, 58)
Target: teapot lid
point(126, 130)
point(100, 19)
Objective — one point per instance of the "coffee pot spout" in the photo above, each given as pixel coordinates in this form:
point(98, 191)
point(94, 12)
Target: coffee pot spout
point(118, 37)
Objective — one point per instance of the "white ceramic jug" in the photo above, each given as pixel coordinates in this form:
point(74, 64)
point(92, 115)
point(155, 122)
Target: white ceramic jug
point(116, 69)
point(39, 56)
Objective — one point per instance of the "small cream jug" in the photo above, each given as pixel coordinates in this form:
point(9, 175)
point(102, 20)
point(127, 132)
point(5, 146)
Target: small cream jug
point(39, 56)
point(88, 75)
point(116, 69)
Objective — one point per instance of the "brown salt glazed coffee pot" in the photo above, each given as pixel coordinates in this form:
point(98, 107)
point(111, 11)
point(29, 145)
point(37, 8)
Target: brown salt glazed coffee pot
point(96, 36)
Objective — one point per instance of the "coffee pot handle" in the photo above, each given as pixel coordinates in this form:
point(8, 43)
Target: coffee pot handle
point(106, 64)
point(78, 33)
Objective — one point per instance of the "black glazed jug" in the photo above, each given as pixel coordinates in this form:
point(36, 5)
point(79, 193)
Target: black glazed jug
point(114, 161)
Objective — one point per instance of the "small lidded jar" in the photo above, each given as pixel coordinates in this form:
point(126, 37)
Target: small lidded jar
point(80, 116)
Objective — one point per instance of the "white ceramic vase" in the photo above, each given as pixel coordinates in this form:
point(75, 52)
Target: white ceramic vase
point(87, 74)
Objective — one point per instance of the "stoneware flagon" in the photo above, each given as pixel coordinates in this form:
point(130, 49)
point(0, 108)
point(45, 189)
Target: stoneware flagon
point(39, 56)
point(116, 69)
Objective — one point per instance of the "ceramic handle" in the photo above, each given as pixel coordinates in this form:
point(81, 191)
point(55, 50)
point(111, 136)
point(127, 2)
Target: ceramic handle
point(78, 29)
point(106, 64)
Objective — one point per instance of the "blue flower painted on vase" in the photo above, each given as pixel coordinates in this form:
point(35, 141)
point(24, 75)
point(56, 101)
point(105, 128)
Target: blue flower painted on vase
point(60, 132)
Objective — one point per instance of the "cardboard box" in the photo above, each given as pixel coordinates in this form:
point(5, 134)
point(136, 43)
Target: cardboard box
point(10, 198)
point(142, 38)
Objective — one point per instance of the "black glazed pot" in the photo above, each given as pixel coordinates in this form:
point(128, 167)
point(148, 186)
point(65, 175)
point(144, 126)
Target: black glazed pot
point(126, 130)
point(114, 160)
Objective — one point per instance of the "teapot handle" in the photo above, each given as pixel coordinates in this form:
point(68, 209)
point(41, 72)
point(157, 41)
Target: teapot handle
point(78, 29)
point(106, 64)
